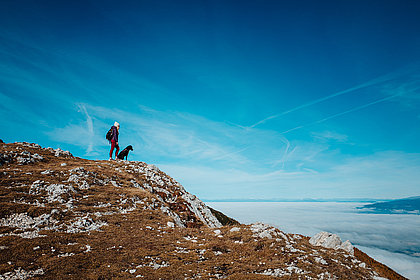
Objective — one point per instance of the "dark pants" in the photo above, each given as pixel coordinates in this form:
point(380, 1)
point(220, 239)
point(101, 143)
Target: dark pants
point(117, 148)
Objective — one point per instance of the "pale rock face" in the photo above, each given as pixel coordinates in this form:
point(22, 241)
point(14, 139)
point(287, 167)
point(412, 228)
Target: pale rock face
point(201, 210)
point(326, 239)
point(59, 152)
point(23, 221)
point(235, 229)
point(333, 241)
point(30, 145)
point(54, 190)
point(153, 167)
point(172, 214)
point(348, 247)
point(21, 158)
point(21, 274)
point(159, 182)
point(261, 230)
point(85, 224)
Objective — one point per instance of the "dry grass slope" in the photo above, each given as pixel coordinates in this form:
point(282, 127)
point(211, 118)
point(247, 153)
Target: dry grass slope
point(63, 217)
point(385, 271)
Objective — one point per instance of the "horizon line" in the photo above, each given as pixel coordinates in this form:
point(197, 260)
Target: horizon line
point(300, 200)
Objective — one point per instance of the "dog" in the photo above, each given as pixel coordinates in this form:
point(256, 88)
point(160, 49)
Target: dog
point(124, 153)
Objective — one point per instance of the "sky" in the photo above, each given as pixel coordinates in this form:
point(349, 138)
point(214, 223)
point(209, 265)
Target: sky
point(234, 99)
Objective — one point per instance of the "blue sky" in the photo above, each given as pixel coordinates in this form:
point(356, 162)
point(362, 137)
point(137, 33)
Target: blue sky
point(234, 99)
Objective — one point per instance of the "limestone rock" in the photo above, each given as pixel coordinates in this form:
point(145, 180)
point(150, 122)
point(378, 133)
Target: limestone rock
point(330, 240)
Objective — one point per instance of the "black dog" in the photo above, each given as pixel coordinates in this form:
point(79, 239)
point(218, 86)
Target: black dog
point(124, 153)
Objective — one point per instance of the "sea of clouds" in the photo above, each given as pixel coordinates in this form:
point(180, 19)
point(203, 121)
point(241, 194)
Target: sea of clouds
point(391, 239)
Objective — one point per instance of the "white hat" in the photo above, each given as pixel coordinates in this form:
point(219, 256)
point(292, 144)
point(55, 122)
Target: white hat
point(116, 124)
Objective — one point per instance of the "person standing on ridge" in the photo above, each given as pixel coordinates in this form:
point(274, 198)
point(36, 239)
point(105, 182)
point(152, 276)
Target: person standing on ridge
point(114, 140)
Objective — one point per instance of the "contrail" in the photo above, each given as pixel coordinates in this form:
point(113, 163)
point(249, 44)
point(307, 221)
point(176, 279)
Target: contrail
point(348, 111)
point(231, 154)
point(379, 80)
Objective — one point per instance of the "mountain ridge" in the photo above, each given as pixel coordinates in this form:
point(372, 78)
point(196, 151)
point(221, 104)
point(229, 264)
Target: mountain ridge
point(409, 205)
point(63, 217)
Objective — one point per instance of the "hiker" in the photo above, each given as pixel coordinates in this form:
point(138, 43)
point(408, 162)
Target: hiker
point(114, 140)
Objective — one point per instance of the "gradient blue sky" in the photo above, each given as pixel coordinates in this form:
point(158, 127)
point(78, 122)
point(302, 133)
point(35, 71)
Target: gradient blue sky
point(235, 99)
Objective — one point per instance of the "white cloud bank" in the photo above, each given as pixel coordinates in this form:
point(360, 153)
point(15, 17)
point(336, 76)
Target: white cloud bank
point(391, 239)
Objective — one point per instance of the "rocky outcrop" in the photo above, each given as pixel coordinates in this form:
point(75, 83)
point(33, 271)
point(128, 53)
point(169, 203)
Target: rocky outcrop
point(169, 192)
point(333, 241)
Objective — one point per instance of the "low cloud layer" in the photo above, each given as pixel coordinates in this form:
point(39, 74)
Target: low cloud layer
point(391, 239)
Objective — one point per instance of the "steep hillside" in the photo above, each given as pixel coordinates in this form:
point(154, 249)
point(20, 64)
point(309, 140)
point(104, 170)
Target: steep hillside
point(63, 217)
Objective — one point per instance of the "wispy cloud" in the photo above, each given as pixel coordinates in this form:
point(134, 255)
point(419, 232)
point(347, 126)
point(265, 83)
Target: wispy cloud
point(355, 177)
point(383, 81)
point(330, 135)
point(89, 127)
point(373, 82)
point(357, 108)
point(215, 159)
point(402, 90)
point(169, 136)
point(65, 76)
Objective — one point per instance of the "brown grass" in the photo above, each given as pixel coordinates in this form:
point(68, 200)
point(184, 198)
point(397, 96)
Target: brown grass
point(140, 242)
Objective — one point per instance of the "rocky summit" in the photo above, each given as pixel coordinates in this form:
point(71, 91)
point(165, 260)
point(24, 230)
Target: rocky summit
point(63, 217)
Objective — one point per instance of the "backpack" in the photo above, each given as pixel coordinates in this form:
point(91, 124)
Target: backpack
point(109, 134)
